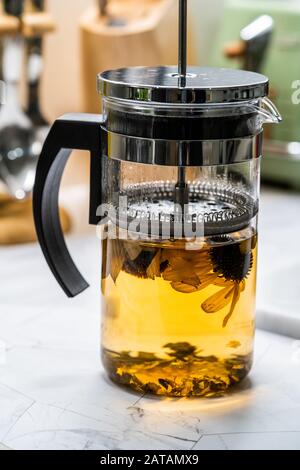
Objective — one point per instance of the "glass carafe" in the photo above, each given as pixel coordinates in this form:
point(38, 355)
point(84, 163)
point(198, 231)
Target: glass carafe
point(175, 186)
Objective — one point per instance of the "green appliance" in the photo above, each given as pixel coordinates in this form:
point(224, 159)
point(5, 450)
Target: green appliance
point(277, 55)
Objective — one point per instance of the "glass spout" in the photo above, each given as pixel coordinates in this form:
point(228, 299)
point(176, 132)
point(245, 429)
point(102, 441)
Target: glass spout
point(268, 112)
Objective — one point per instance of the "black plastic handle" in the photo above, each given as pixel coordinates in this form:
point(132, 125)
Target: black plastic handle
point(71, 131)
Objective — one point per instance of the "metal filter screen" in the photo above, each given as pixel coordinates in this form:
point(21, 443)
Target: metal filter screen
point(216, 206)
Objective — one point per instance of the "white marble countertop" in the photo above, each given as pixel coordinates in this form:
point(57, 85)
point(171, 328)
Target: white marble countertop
point(54, 393)
point(278, 286)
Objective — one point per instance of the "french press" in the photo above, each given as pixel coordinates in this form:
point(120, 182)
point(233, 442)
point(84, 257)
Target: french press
point(175, 168)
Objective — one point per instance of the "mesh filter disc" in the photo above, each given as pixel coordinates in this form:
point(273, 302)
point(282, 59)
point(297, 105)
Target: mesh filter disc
point(214, 208)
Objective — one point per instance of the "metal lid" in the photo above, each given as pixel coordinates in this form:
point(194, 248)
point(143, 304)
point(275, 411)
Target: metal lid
point(161, 85)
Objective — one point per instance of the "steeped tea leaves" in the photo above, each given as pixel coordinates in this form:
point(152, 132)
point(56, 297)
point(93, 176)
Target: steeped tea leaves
point(153, 269)
point(235, 298)
point(218, 301)
point(138, 266)
point(184, 374)
point(117, 257)
point(184, 288)
point(232, 261)
point(179, 321)
point(132, 249)
point(180, 350)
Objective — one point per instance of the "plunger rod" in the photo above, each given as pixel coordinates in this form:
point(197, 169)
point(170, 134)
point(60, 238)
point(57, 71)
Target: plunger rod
point(182, 42)
point(181, 189)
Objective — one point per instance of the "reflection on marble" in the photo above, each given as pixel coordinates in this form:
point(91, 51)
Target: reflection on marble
point(54, 393)
point(3, 447)
point(278, 293)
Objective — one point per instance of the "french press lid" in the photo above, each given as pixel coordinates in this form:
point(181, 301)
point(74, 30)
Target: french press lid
point(152, 103)
point(165, 104)
point(162, 85)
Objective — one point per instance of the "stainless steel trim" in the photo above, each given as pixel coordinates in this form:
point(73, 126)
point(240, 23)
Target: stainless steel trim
point(280, 149)
point(169, 152)
point(203, 85)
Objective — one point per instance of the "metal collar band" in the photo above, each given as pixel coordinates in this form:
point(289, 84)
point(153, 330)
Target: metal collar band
point(170, 152)
point(162, 85)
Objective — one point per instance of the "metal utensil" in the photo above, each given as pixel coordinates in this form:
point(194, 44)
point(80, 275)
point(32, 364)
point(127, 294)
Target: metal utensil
point(256, 38)
point(19, 143)
point(34, 71)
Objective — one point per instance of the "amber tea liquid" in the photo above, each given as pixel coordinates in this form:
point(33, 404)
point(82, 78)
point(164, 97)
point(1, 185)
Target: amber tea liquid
point(179, 321)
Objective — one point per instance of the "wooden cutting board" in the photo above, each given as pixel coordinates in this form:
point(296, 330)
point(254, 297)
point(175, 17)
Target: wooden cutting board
point(16, 221)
